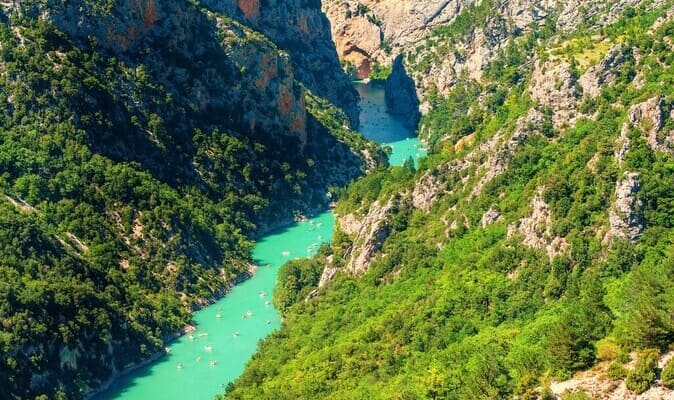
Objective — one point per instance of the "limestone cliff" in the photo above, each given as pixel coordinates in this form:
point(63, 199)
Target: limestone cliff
point(166, 136)
point(371, 30)
point(300, 28)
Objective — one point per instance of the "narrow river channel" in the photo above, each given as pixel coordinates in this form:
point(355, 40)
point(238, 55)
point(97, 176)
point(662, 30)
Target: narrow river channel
point(200, 365)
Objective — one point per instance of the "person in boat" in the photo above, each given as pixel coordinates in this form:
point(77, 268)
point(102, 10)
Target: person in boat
point(180, 366)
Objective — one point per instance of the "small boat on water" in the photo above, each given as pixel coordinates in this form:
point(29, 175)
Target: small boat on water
point(203, 334)
point(180, 366)
point(249, 313)
point(268, 322)
point(191, 337)
point(236, 333)
point(213, 362)
point(262, 293)
point(208, 348)
point(167, 350)
point(199, 359)
point(218, 315)
point(285, 253)
point(266, 303)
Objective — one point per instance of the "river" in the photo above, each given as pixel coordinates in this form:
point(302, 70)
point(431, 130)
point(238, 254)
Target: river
point(201, 364)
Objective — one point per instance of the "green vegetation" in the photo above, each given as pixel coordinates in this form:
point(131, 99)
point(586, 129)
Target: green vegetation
point(452, 308)
point(131, 188)
point(640, 378)
point(667, 375)
point(616, 371)
point(380, 72)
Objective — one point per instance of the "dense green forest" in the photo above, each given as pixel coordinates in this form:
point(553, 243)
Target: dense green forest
point(508, 279)
point(132, 184)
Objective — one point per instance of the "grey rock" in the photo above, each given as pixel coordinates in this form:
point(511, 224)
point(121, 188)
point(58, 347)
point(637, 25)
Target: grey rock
point(605, 73)
point(490, 217)
point(626, 216)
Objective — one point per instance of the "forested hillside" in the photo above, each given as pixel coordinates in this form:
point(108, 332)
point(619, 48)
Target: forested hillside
point(143, 145)
point(534, 242)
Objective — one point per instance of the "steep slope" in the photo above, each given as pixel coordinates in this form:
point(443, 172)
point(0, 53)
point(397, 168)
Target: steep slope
point(535, 240)
point(300, 28)
point(142, 145)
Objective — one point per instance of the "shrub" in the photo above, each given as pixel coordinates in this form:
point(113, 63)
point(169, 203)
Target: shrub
point(575, 396)
point(643, 374)
point(668, 374)
point(607, 349)
point(547, 394)
point(616, 371)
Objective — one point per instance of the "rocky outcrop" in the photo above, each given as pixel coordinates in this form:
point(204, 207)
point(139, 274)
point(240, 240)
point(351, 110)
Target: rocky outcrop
point(536, 229)
point(369, 31)
point(269, 73)
point(490, 217)
point(501, 148)
point(554, 87)
point(650, 116)
point(369, 232)
point(605, 73)
point(300, 28)
point(357, 35)
point(577, 12)
point(401, 95)
point(626, 215)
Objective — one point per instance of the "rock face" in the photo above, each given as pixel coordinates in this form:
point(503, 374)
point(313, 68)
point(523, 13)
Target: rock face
point(605, 73)
point(576, 12)
point(263, 95)
point(401, 95)
point(369, 235)
point(368, 31)
point(554, 87)
point(626, 215)
point(536, 229)
point(357, 36)
point(300, 28)
point(651, 116)
point(271, 74)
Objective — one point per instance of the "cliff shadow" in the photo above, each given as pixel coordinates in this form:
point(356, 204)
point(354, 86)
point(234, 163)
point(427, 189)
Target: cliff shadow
point(401, 95)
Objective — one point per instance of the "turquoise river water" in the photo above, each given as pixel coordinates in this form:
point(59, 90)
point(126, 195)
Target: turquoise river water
point(201, 364)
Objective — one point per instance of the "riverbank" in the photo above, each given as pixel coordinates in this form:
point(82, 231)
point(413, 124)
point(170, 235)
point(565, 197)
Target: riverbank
point(227, 332)
point(116, 375)
point(243, 315)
